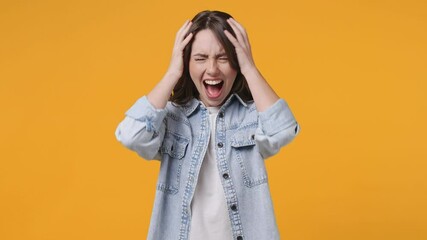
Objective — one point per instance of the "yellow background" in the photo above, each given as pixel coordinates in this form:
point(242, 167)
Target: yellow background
point(353, 72)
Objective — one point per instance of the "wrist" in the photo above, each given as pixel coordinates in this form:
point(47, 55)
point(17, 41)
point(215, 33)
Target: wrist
point(250, 72)
point(172, 75)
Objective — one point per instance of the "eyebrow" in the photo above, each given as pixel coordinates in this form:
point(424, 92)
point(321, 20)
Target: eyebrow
point(206, 56)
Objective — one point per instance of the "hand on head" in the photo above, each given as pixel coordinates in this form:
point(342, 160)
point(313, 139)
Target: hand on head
point(241, 43)
point(176, 65)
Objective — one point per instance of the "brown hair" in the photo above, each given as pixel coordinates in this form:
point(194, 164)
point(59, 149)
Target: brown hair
point(216, 21)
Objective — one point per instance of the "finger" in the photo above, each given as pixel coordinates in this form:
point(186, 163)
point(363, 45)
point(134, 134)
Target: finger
point(183, 31)
point(239, 36)
point(185, 25)
point(238, 25)
point(241, 29)
point(232, 39)
point(186, 40)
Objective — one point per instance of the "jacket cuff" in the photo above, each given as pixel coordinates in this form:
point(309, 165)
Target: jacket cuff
point(144, 111)
point(276, 118)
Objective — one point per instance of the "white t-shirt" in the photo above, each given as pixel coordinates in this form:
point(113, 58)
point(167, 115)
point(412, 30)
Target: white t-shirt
point(210, 220)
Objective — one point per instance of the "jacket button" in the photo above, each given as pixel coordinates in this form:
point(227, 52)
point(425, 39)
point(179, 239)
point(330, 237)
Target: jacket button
point(220, 145)
point(239, 238)
point(233, 207)
point(221, 114)
point(225, 176)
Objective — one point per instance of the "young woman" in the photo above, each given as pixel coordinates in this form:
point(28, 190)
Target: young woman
point(211, 135)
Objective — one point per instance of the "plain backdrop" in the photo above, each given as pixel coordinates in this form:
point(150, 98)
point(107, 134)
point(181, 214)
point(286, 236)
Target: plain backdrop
point(353, 72)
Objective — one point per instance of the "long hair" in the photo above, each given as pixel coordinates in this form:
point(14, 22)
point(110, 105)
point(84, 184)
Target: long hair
point(216, 21)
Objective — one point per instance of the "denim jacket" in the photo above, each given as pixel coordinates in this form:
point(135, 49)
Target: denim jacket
point(178, 136)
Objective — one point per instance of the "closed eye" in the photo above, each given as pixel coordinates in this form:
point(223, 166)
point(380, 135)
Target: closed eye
point(223, 60)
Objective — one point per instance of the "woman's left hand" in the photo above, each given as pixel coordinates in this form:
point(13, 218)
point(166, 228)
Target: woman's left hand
point(243, 48)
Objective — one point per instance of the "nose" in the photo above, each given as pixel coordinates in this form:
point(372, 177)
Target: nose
point(212, 67)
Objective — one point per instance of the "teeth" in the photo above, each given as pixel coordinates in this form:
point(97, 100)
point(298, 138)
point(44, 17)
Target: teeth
point(213, 82)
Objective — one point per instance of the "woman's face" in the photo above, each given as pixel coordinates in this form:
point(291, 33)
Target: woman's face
point(210, 69)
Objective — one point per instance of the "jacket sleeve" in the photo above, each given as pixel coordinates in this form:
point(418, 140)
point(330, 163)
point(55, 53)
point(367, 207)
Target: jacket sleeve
point(143, 129)
point(276, 128)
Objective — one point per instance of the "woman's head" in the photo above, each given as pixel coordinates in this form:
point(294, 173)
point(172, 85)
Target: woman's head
point(211, 69)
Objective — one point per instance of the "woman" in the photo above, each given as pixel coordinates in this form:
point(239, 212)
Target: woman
point(211, 135)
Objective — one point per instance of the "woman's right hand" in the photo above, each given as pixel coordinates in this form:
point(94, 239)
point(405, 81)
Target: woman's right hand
point(159, 96)
point(176, 66)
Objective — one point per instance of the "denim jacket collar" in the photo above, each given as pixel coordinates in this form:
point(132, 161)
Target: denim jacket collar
point(192, 105)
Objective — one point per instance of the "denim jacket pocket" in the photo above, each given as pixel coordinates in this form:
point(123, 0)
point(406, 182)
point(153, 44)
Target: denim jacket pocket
point(250, 160)
point(173, 151)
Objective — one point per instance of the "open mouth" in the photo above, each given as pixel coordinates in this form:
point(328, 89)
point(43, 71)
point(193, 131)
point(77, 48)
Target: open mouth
point(213, 87)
